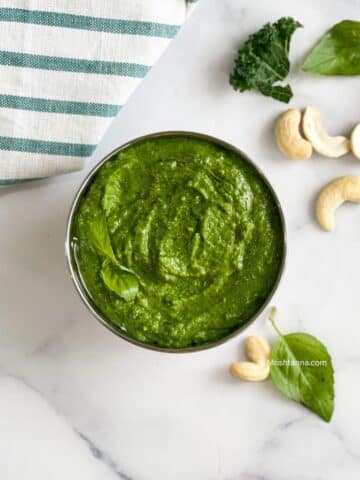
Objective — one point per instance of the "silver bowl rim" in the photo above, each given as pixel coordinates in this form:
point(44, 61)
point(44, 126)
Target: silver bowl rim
point(72, 264)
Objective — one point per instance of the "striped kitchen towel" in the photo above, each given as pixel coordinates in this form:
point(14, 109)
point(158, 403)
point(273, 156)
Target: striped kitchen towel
point(66, 68)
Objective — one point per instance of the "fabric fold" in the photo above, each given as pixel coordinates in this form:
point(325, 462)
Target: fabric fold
point(66, 70)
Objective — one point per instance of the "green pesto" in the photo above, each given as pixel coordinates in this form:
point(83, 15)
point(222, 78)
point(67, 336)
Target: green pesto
point(194, 224)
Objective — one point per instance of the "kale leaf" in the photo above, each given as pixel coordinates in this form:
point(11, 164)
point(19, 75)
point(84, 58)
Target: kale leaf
point(263, 60)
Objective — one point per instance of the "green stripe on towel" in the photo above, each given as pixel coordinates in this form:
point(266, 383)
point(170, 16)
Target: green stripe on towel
point(66, 20)
point(46, 147)
point(58, 106)
point(15, 181)
point(64, 64)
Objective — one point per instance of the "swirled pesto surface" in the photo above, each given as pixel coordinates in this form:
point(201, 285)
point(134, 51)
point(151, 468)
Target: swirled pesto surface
point(178, 241)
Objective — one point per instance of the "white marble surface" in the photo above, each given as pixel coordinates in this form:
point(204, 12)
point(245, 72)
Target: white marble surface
point(77, 402)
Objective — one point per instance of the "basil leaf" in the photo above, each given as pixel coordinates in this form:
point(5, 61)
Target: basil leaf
point(301, 369)
point(338, 52)
point(263, 60)
point(99, 236)
point(124, 284)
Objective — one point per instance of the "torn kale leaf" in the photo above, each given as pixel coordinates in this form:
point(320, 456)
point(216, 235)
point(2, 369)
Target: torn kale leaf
point(263, 61)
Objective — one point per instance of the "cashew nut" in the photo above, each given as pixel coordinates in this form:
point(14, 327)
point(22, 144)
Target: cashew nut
point(258, 350)
point(355, 141)
point(324, 144)
point(288, 137)
point(249, 371)
point(332, 196)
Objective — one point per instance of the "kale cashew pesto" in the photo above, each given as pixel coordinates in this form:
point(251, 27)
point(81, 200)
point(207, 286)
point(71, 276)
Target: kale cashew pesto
point(178, 241)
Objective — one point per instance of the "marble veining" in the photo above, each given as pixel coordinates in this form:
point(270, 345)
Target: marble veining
point(103, 457)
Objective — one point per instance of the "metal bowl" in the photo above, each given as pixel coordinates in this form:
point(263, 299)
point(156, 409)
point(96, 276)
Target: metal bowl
point(76, 276)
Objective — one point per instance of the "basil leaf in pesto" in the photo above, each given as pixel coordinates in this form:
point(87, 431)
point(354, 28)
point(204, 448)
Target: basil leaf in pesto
point(302, 370)
point(338, 52)
point(99, 236)
point(263, 61)
point(124, 284)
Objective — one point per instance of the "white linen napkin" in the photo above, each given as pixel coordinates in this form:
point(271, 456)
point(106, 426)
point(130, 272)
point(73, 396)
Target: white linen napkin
point(66, 68)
